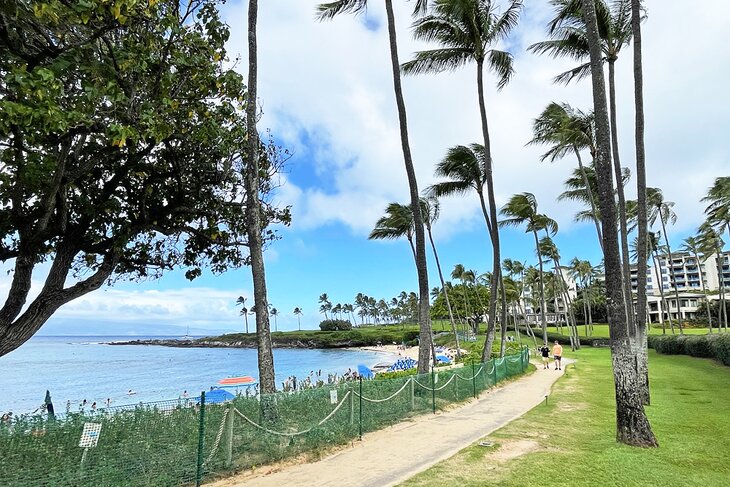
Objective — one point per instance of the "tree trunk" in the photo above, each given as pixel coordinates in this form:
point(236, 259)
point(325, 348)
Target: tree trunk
point(568, 305)
point(494, 229)
point(665, 304)
point(502, 316)
point(704, 292)
point(267, 378)
point(624, 233)
point(542, 291)
point(632, 425)
point(424, 319)
point(590, 196)
point(641, 300)
point(671, 270)
point(446, 295)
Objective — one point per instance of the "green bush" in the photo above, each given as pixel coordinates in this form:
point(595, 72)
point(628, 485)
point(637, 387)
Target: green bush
point(335, 325)
point(711, 346)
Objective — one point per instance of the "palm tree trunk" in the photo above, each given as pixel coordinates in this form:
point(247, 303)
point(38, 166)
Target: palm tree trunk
point(494, 229)
point(704, 291)
point(624, 233)
point(424, 318)
point(665, 304)
point(641, 299)
point(446, 295)
point(590, 196)
point(671, 269)
point(253, 223)
point(502, 316)
point(721, 312)
point(632, 425)
point(569, 305)
point(542, 291)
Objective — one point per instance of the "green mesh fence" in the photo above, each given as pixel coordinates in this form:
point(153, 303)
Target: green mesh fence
point(159, 444)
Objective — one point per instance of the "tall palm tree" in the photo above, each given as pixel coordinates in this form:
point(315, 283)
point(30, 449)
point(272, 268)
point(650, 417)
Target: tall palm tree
point(550, 250)
point(328, 11)
point(325, 305)
point(693, 245)
point(632, 425)
point(468, 31)
point(658, 208)
point(581, 271)
point(577, 191)
point(641, 299)
point(568, 38)
point(397, 222)
point(267, 375)
point(348, 309)
point(459, 272)
point(431, 210)
point(712, 243)
point(244, 310)
point(568, 130)
point(521, 209)
point(275, 312)
point(298, 312)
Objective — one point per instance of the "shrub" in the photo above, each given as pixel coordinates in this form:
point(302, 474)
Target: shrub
point(669, 344)
point(335, 325)
point(712, 346)
point(720, 346)
point(697, 346)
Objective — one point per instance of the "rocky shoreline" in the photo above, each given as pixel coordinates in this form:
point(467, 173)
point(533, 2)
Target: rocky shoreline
point(213, 343)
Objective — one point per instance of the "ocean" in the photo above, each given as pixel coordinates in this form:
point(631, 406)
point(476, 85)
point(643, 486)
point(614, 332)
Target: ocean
point(74, 368)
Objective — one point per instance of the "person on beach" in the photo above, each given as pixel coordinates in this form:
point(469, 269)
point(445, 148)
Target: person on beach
point(545, 351)
point(557, 354)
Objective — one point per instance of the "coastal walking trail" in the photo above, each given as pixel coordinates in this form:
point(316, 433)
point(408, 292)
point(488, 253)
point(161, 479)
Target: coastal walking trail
point(394, 454)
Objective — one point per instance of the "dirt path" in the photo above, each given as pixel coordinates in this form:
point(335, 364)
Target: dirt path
point(392, 455)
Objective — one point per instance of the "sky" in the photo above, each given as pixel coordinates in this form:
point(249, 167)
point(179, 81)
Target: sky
point(326, 94)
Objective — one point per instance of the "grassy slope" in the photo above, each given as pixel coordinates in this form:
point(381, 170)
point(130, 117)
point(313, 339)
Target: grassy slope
point(575, 433)
point(601, 331)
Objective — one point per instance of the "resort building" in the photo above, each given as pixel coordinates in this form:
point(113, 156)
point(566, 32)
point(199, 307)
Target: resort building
point(687, 276)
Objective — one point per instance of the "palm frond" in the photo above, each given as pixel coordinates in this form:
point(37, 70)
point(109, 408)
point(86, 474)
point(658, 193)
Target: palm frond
point(501, 63)
point(507, 21)
point(577, 73)
point(436, 61)
point(327, 11)
point(449, 188)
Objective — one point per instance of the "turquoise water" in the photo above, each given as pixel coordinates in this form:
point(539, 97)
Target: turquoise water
point(78, 368)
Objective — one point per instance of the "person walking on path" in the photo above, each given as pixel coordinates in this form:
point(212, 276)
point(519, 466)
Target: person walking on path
point(545, 357)
point(557, 354)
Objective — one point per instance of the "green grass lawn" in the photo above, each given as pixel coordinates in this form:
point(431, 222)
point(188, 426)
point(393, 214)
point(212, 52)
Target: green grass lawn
point(570, 441)
point(601, 330)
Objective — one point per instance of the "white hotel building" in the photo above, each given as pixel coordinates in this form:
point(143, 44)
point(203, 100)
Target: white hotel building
point(686, 281)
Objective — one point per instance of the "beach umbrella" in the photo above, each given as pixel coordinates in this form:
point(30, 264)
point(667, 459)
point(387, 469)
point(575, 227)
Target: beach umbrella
point(217, 396)
point(245, 380)
point(443, 358)
point(49, 405)
point(365, 371)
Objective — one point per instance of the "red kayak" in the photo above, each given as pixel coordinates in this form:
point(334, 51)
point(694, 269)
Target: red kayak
point(237, 381)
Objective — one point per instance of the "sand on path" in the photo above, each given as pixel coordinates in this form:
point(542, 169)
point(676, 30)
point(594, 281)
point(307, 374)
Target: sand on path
point(394, 454)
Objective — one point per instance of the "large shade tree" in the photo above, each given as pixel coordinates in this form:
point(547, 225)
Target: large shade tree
point(122, 140)
point(469, 31)
point(326, 11)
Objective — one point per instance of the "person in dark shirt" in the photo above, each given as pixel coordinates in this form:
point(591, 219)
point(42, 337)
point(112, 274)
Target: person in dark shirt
point(545, 351)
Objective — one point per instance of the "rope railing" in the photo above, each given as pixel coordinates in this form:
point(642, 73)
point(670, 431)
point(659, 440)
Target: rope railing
point(476, 374)
point(436, 389)
point(366, 399)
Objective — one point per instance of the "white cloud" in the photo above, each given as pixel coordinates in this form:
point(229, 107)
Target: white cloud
point(332, 80)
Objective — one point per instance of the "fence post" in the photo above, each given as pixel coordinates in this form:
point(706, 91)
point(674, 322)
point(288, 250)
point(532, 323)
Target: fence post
point(201, 441)
point(360, 426)
point(494, 369)
point(229, 436)
point(433, 390)
point(413, 393)
point(352, 405)
point(473, 379)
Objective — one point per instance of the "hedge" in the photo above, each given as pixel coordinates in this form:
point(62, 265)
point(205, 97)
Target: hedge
point(708, 346)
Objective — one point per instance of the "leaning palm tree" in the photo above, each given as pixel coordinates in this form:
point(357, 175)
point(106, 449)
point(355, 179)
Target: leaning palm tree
point(521, 209)
point(718, 210)
point(693, 245)
point(658, 208)
point(712, 243)
point(632, 425)
point(550, 250)
point(327, 11)
point(568, 38)
point(431, 210)
point(568, 130)
point(581, 272)
point(580, 187)
point(654, 247)
point(396, 223)
point(468, 31)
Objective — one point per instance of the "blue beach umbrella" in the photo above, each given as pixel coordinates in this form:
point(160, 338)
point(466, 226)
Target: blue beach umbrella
point(217, 396)
point(443, 358)
point(365, 371)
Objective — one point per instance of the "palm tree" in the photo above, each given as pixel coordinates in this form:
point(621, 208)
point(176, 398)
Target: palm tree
point(567, 130)
point(658, 208)
point(654, 247)
point(550, 250)
point(298, 312)
point(459, 273)
point(244, 310)
point(712, 243)
point(349, 309)
point(468, 30)
point(568, 38)
point(275, 312)
point(693, 245)
point(397, 222)
point(328, 11)
point(325, 305)
point(431, 210)
point(267, 375)
point(718, 210)
point(582, 271)
point(632, 425)
point(522, 209)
